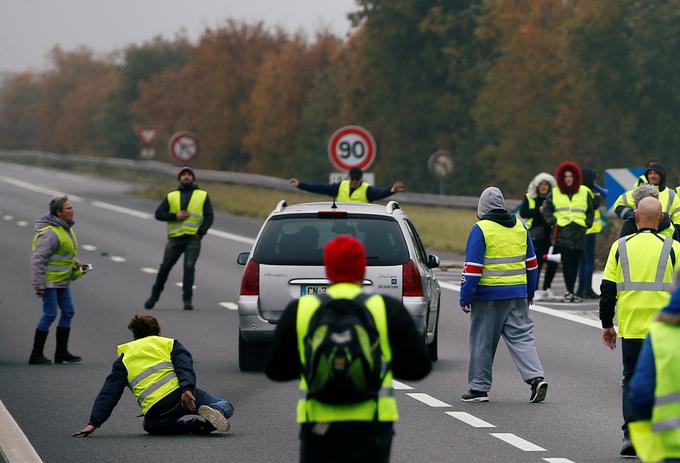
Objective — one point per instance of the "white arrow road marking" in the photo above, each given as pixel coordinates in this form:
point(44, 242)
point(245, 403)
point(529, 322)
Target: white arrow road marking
point(428, 399)
point(470, 419)
point(14, 445)
point(179, 284)
point(89, 247)
point(557, 460)
point(122, 210)
point(229, 305)
point(39, 189)
point(22, 223)
point(118, 259)
point(400, 386)
point(8, 217)
point(150, 270)
point(518, 442)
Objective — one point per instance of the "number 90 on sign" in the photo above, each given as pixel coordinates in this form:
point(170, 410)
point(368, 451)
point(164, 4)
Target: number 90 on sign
point(350, 147)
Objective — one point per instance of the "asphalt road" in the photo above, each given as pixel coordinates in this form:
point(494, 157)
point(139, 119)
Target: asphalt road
point(579, 422)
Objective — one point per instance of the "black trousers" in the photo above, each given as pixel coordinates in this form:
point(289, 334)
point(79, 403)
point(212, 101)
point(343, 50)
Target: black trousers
point(541, 248)
point(570, 261)
point(190, 246)
point(630, 351)
point(346, 442)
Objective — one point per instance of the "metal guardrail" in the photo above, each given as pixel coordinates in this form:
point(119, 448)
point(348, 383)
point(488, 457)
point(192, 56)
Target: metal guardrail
point(460, 202)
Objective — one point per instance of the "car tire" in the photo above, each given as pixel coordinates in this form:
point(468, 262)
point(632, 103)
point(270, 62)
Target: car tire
point(251, 355)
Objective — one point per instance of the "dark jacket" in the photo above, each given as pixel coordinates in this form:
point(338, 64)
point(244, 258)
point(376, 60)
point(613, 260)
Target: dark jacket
point(410, 359)
point(163, 212)
point(629, 227)
point(643, 383)
point(540, 230)
point(115, 384)
point(331, 189)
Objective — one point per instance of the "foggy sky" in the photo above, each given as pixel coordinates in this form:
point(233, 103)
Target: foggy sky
point(30, 28)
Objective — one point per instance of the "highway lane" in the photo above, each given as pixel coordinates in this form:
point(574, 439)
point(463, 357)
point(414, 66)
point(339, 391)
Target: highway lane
point(579, 422)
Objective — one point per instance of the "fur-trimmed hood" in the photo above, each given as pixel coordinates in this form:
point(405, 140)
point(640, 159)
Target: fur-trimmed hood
point(578, 177)
point(532, 189)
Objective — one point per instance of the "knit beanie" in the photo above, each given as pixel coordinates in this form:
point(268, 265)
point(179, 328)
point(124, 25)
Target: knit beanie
point(345, 259)
point(186, 169)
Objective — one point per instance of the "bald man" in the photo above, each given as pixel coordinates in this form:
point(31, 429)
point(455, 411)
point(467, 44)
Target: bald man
point(636, 284)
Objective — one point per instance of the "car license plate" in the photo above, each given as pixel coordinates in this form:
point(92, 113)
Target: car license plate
point(312, 289)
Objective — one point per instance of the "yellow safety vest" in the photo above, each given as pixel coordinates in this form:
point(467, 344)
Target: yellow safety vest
point(191, 225)
point(669, 199)
point(643, 276)
point(504, 255)
point(357, 196)
point(532, 204)
point(641, 180)
point(597, 220)
point(151, 375)
point(61, 265)
point(313, 411)
point(570, 210)
point(659, 439)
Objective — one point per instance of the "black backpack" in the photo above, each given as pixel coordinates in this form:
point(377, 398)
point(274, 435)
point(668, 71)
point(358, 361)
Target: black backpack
point(343, 358)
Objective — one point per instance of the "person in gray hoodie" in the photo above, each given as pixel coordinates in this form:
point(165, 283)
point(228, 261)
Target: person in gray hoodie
point(53, 267)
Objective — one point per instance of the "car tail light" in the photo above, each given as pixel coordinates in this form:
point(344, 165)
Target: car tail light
point(250, 284)
point(411, 284)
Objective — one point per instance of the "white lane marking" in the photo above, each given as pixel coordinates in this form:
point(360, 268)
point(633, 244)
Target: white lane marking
point(400, 386)
point(39, 189)
point(22, 223)
point(470, 419)
point(229, 305)
point(541, 309)
point(150, 270)
point(122, 210)
point(89, 247)
point(179, 284)
point(518, 442)
point(428, 399)
point(14, 446)
point(557, 460)
point(231, 236)
point(8, 217)
point(118, 259)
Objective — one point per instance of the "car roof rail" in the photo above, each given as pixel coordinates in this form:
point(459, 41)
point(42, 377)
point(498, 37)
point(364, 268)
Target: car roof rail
point(392, 206)
point(282, 204)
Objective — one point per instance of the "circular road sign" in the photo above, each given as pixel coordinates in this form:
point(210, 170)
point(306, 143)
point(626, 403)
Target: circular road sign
point(441, 164)
point(183, 146)
point(352, 146)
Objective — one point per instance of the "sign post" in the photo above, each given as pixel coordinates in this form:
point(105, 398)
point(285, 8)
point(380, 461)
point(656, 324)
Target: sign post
point(147, 137)
point(349, 147)
point(183, 146)
point(440, 164)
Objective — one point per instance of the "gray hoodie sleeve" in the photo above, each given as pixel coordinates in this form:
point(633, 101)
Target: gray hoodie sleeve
point(46, 244)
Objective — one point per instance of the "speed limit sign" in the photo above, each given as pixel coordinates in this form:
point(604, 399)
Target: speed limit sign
point(352, 146)
point(183, 146)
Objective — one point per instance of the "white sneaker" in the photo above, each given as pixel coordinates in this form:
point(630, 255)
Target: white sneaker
point(548, 294)
point(539, 295)
point(214, 417)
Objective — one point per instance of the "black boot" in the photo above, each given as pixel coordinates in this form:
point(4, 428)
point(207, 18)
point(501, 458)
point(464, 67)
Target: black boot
point(151, 301)
point(62, 354)
point(37, 357)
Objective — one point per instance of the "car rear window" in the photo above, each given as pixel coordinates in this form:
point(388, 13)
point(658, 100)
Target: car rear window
point(300, 239)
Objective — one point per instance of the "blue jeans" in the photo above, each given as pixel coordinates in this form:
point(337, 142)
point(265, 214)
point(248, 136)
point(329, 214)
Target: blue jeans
point(170, 422)
point(587, 266)
point(53, 298)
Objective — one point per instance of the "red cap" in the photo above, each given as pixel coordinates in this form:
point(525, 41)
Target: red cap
point(345, 259)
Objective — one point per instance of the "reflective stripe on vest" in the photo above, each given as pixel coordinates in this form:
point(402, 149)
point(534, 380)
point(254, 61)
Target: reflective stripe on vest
point(60, 265)
point(640, 297)
point(532, 204)
point(661, 440)
point(504, 255)
point(666, 198)
point(570, 210)
point(314, 411)
point(357, 196)
point(151, 375)
point(192, 223)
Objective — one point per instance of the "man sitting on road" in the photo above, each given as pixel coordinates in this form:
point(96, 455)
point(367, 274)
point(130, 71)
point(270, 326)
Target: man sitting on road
point(353, 190)
point(159, 372)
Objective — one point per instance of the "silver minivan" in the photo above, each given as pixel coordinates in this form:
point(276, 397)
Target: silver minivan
point(286, 262)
